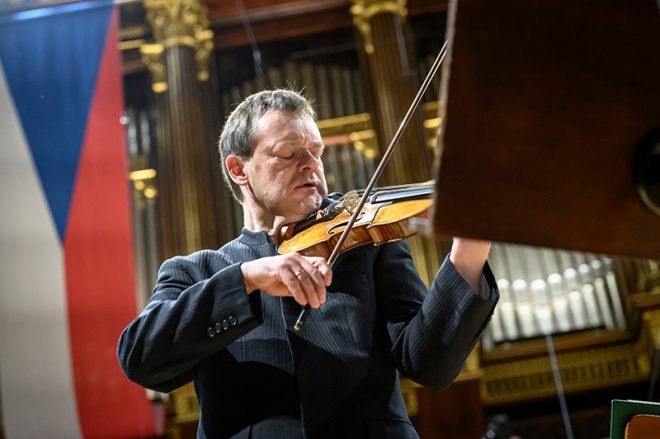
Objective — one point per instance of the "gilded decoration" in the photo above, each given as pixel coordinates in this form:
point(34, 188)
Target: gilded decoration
point(598, 366)
point(649, 277)
point(651, 321)
point(143, 179)
point(184, 400)
point(357, 130)
point(152, 58)
point(177, 23)
point(363, 10)
point(524, 379)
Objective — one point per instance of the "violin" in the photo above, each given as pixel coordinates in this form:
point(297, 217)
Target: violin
point(390, 214)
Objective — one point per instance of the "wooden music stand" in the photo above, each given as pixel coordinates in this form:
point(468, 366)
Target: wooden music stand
point(545, 106)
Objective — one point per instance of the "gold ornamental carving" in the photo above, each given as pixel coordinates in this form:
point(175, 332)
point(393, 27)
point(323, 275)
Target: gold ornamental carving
point(152, 58)
point(357, 129)
point(652, 321)
point(363, 10)
point(177, 23)
point(530, 378)
point(648, 278)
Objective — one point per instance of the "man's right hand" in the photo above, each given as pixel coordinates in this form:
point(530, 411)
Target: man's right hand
point(302, 277)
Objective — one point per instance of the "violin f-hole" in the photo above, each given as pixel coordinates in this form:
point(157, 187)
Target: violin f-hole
point(332, 230)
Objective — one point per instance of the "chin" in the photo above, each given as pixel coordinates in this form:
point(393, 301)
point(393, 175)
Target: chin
point(316, 202)
point(306, 207)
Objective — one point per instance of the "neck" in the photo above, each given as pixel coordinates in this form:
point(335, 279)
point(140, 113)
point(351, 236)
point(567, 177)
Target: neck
point(257, 219)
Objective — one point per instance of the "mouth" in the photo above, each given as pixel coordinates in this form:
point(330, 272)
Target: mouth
point(307, 185)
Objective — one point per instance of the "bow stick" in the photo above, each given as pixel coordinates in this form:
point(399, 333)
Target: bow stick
point(379, 170)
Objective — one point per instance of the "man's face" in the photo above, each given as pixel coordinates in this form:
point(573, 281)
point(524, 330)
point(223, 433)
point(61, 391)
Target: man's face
point(285, 171)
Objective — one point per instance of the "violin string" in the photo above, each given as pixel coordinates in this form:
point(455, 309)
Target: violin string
point(379, 170)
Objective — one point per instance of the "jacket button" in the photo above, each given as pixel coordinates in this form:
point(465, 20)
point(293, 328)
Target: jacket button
point(225, 325)
point(218, 328)
point(211, 332)
point(232, 321)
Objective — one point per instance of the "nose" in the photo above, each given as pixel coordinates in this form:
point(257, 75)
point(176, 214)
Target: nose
point(309, 162)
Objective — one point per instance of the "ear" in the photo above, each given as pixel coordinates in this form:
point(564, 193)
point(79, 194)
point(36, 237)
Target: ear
point(236, 170)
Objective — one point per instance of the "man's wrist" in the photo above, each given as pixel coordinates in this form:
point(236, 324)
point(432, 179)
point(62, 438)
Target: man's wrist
point(469, 257)
point(249, 287)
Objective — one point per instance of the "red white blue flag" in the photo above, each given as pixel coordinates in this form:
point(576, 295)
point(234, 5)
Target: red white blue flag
point(66, 265)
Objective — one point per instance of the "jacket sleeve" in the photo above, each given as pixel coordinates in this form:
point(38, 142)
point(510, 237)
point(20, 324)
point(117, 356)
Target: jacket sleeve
point(431, 333)
point(187, 319)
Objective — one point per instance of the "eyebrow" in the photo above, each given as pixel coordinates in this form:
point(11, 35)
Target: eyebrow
point(318, 144)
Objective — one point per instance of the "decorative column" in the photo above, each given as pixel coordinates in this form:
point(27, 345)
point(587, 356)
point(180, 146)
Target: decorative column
point(385, 40)
point(178, 60)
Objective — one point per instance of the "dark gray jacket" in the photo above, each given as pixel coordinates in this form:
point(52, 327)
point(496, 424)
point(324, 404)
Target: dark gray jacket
point(337, 378)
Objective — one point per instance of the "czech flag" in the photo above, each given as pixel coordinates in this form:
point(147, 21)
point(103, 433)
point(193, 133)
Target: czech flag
point(66, 258)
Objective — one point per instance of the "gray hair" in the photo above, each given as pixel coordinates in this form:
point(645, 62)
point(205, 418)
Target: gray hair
point(240, 130)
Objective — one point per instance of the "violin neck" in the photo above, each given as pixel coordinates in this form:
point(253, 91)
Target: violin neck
point(397, 187)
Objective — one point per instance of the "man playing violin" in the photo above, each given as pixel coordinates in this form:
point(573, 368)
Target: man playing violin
point(223, 318)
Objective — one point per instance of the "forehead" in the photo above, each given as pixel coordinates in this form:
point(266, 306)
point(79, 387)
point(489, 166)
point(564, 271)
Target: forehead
point(283, 124)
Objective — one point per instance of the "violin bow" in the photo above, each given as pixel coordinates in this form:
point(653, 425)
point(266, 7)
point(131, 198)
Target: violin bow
point(379, 170)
